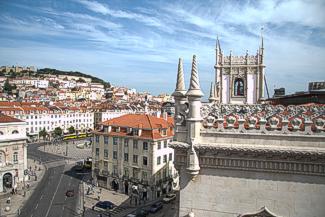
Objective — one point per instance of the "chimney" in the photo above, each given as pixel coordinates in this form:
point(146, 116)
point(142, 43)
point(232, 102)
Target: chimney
point(165, 115)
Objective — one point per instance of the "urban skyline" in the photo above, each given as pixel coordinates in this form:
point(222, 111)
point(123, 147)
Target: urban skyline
point(137, 44)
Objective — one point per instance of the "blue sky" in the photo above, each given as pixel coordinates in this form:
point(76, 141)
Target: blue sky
point(138, 43)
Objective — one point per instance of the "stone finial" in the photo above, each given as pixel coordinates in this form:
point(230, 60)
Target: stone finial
point(212, 97)
point(180, 84)
point(194, 89)
point(193, 165)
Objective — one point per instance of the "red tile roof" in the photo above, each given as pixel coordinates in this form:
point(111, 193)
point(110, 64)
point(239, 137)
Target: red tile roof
point(139, 121)
point(8, 119)
point(151, 126)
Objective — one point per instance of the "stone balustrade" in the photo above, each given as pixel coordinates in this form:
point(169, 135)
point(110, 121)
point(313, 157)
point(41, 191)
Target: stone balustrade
point(265, 119)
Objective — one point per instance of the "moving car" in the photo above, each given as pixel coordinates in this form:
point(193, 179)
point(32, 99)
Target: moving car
point(103, 205)
point(169, 198)
point(156, 207)
point(138, 213)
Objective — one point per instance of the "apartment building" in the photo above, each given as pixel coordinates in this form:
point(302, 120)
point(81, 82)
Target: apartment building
point(13, 152)
point(39, 117)
point(133, 150)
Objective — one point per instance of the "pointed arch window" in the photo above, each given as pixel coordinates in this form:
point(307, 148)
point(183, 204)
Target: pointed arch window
point(239, 87)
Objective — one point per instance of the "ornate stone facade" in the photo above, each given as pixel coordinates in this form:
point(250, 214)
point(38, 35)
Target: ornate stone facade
point(235, 158)
point(239, 79)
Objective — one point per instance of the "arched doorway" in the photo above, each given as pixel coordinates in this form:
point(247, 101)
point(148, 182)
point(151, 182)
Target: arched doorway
point(126, 187)
point(115, 186)
point(7, 180)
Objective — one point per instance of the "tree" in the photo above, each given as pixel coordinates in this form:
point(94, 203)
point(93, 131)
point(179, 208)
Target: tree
point(81, 80)
point(57, 132)
point(43, 133)
point(7, 87)
point(71, 130)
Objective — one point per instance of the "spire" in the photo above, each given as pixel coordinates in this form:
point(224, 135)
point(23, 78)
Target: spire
point(262, 41)
point(180, 84)
point(218, 49)
point(194, 89)
point(212, 97)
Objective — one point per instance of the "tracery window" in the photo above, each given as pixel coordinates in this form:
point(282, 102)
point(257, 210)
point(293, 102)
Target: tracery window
point(239, 87)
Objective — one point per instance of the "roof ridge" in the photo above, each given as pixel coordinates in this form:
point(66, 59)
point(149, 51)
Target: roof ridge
point(150, 124)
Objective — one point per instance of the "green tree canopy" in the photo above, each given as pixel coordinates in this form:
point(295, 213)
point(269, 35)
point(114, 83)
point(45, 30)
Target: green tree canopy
point(43, 133)
point(57, 132)
point(71, 130)
point(7, 87)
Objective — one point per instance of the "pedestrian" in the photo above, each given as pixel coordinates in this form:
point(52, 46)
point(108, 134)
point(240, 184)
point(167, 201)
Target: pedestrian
point(9, 200)
point(98, 197)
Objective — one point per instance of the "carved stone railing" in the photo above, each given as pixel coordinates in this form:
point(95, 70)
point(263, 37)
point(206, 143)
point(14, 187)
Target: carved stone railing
point(298, 160)
point(264, 118)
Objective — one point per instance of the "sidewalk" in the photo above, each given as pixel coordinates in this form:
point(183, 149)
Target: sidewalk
point(122, 201)
point(18, 200)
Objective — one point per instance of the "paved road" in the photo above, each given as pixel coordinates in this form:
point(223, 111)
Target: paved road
point(48, 199)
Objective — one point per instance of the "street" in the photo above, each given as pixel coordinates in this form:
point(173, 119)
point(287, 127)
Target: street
point(49, 198)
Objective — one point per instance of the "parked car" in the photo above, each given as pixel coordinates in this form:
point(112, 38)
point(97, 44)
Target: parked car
point(169, 198)
point(69, 193)
point(156, 207)
point(139, 213)
point(103, 205)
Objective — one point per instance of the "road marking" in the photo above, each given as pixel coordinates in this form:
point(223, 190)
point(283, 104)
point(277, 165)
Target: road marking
point(56, 190)
point(36, 206)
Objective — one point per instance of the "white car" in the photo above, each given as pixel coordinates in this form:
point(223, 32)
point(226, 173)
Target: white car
point(169, 198)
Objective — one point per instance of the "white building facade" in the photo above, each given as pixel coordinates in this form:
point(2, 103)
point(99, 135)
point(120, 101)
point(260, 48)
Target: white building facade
point(13, 153)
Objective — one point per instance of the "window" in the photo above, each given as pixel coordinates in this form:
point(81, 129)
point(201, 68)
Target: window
point(145, 145)
point(15, 157)
point(1, 133)
point(106, 153)
point(115, 155)
point(97, 138)
point(126, 172)
point(164, 132)
point(170, 156)
point(145, 161)
point(144, 175)
point(135, 159)
point(159, 145)
point(239, 87)
point(165, 144)
point(97, 151)
point(115, 170)
point(126, 157)
point(165, 158)
point(135, 144)
point(115, 141)
point(105, 165)
point(126, 142)
point(105, 139)
point(15, 132)
point(158, 160)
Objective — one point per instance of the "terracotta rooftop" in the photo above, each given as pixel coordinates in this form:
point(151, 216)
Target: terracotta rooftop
point(144, 121)
point(8, 119)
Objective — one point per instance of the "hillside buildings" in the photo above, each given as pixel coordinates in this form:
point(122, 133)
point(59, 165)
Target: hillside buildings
point(13, 152)
point(243, 158)
point(132, 150)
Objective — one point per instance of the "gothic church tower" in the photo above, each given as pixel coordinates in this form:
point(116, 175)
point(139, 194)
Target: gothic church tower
point(239, 79)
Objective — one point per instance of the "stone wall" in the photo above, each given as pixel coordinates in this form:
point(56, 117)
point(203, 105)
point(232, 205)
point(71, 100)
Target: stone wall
point(228, 193)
